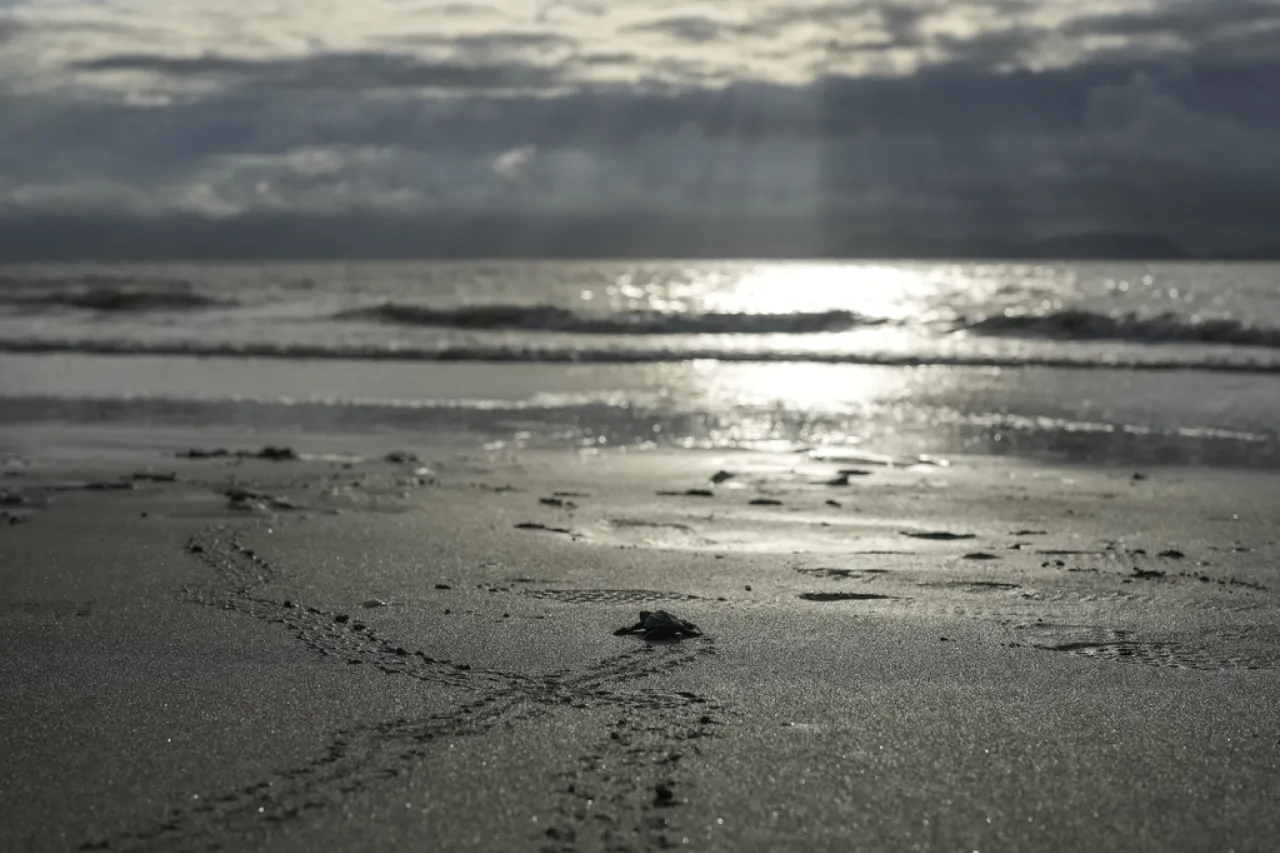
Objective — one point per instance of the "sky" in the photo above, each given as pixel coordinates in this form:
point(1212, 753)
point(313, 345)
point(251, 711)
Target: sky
point(931, 117)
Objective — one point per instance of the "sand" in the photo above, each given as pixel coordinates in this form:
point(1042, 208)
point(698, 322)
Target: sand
point(985, 655)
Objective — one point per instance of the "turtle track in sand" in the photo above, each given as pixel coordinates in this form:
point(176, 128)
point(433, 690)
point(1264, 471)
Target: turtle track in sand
point(608, 596)
point(618, 772)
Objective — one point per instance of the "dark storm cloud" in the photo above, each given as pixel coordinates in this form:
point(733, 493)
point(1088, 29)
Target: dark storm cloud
point(1227, 32)
point(989, 50)
point(827, 14)
point(956, 107)
point(900, 19)
point(1115, 147)
point(1185, 141)
point(463, 10)
point(902, 23)
point(10, 29)
point(491, 43)
point(994, 49)
point(616, 58)
point(338, 72)
point(900, 29)
point(897, 18)
point(1187, 21)
point(694, 29)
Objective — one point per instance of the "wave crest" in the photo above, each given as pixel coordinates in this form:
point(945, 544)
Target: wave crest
point(550, 318)
point(1080, 325)
point(587, 355)
point(105, 293)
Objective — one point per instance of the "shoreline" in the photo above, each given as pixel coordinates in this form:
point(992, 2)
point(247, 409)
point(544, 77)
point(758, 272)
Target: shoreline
point(992, 654)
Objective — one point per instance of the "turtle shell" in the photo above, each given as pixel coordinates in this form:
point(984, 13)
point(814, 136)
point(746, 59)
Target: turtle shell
point(661, 625)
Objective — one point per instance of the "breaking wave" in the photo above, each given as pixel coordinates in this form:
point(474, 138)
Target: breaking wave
point(556, 354)
point(1080, 325)
point(550, 318)
point(106, 293)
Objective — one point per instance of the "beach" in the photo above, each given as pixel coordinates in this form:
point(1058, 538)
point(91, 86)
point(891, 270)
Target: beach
point(590, 427)
point(637, 556)
point(278, 650)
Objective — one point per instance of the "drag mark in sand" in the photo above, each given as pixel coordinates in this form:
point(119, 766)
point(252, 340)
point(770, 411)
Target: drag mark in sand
point(620, 774)
point(238, 572)
point(842, 574)
point(537, 526)
point(50, 609)
point(1208, 652)
point(938, 535)
point(608, 596)
point(843, 596)
point(980, 586)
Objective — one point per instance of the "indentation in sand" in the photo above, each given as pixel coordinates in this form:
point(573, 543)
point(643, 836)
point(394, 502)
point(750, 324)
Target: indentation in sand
point(50, 609)
point(603, 774)
point(981, 586)
point(652, 533)
point(608, 596)
point(842, 596)
point(1207, 652)
point(938, 535)
point(842, 574)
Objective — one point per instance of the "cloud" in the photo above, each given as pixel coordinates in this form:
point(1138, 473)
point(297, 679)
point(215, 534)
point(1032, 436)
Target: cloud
point(1186, 21)
point(512, 164)
point(349, 72)
point(1004, 115)
point(952, 149)
point(10, 29)
point(1146, 123)
point(544, 8)
point(672, 45)
point(501, 43)
point(695, 29)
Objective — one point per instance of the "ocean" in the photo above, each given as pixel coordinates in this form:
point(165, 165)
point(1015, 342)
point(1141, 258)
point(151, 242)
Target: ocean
point(1111, 363)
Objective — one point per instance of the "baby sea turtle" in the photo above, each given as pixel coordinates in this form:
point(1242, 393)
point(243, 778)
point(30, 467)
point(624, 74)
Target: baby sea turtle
point(661, 625)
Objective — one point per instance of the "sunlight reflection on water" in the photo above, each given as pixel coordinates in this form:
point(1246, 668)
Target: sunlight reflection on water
point(800, 387)
point(872, 290)
point(896, 292)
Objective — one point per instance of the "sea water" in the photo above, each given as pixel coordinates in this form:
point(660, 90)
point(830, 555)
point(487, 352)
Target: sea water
point(1128, 363)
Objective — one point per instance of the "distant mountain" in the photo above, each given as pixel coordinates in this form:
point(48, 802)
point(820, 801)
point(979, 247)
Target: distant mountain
point(1268, 252)
point(367, 235)
point(1104, 246)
